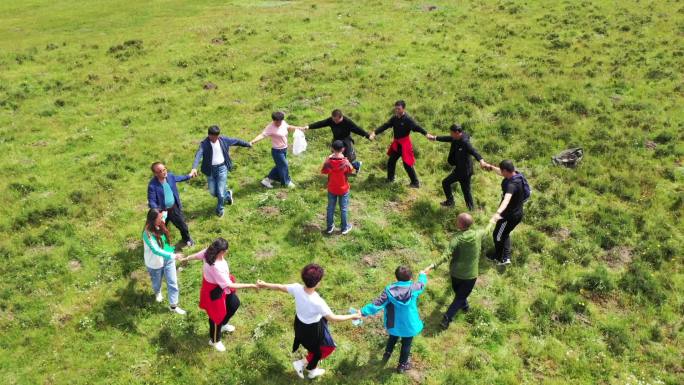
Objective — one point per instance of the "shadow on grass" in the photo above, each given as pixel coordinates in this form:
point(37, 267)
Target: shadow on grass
point(427, 216)
point(182, 343)
point(127, 305)
point(129, 260)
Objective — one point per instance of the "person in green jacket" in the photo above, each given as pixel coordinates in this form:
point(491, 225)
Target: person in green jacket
point(464, 251)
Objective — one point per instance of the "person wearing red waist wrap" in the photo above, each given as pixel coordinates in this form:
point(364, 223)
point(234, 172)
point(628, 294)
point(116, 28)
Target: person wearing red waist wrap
point(217, 295)
point(402, 125)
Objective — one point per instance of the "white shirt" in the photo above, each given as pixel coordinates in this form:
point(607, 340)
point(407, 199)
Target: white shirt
point(217, 153)
point(310, 307)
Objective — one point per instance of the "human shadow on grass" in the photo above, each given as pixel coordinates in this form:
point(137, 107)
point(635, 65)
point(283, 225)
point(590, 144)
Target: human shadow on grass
point(129, 259)
point(183, 343)
point(126, 307)
point(426, 216)
point(355, 372)
point(432, 327)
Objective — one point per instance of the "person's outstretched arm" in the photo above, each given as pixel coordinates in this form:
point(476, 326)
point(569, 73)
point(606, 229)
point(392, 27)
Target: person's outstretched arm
point(376, 305)
point(237, 142)
point(319, 124)
point(338, 317)
point(257, 139)
point(198, 156)
point(272, 286)
point(356, 129)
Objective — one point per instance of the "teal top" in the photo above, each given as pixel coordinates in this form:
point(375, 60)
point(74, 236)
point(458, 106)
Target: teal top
point(169, 200)
point(400, 304)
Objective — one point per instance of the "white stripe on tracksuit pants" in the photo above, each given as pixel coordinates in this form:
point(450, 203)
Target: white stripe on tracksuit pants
point(502, 240)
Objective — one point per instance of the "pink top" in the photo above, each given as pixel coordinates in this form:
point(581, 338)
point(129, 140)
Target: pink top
point(278, 135)
point(218, 273)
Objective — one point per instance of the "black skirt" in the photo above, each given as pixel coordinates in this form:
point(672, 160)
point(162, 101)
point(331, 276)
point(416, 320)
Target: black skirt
point(311, 336)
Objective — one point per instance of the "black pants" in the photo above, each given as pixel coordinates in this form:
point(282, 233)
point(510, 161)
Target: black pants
point(392, 166)
point(464, 180)
point(175, 216)
point(232, 304)
point(405, 347)
point(502, 239)
point(462, 289)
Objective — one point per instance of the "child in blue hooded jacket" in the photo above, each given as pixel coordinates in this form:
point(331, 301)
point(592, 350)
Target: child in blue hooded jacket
point(400, 303)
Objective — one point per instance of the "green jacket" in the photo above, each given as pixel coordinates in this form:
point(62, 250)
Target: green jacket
point(464, 250)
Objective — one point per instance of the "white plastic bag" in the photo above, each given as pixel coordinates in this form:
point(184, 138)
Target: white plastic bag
point(299, 144)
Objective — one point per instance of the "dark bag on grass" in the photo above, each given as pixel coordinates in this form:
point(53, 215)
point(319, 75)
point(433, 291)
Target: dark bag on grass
point(568, 158)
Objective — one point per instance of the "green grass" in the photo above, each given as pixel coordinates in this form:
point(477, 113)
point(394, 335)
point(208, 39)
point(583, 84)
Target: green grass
point(92, 93)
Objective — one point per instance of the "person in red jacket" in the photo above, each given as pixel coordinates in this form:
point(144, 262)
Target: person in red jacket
point(337, 167)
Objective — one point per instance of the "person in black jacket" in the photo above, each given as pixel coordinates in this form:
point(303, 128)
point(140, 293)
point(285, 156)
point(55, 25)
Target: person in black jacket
point(459, 156)
point(342, 127)
point(402, 125)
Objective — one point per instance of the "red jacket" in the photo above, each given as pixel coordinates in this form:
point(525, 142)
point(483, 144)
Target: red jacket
point(337, 170)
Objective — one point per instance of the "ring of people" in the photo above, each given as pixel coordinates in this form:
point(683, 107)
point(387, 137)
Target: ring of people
point(398, 300)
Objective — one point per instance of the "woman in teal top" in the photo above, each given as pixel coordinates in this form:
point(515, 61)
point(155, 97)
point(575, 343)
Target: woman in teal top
point(402, 320)
point(160, 258)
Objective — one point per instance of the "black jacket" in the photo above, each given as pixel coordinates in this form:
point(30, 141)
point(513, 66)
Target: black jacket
point(459, 154)
point(342, 131)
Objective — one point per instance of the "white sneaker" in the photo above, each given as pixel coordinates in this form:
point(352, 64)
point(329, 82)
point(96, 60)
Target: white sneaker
point(177, 310)
point(218, 346)
point(227, 328)
point(316, 373)
point(299, 367)
point(347, 229)
point(158, 297)
point(266, 182)
point(291, 185)
point(330, 229)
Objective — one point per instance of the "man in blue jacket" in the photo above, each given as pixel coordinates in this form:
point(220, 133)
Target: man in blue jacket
point(162, 194)
point(214, 151)
point(402, 320)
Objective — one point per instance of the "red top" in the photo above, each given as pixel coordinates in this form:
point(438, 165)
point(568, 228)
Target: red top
point(337, 170)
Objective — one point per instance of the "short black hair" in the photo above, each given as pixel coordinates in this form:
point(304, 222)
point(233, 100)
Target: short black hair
point(312, 274)
point(154, 165)
point(403, 273)
point(214, 130)
point(400, 103)
point(336, 113)
point(338, 145)
point(278, 116)
point(456, 127)
point(507, 165)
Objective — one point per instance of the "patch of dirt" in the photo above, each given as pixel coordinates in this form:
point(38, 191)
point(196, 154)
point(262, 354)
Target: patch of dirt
point(619, 256)
point(264, 254)
point(651, 145)
point(417, 372)
point(217, 41)
point(138, 275)
point(562, 234)
point(282, 195)
point(210, 86)
point(429, 8)
point(61, 319)
point(270, 211)
point(312, 228)
point(74, 265)
point(132, 244)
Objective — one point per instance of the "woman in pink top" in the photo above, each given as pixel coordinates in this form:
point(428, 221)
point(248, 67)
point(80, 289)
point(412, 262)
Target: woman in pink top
point(278, 130)
point(217, 295)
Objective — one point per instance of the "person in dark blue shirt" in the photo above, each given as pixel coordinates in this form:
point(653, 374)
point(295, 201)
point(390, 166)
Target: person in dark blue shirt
point(162, 194)
point(214, 152)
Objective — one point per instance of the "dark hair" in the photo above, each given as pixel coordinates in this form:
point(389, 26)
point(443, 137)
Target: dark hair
point(278, 116)
point(312, 274)
point(150, 227)
point(456, 127)
point(214, 249)
point(214, 130)
point(336, 113)
point(403, 273)
point(155, 164)
point(400, 103)
point(507, 165)
point(338, 145)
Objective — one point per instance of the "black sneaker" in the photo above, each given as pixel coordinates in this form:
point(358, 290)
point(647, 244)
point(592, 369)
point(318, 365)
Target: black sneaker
point(491, 258)
point(447, 203)
point(445, 322)
point(385, 357)
point(466, 309)
point(401, 368)
point(414, 185)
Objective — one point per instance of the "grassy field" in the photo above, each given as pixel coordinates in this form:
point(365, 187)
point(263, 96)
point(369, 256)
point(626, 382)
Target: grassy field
point(92, 92)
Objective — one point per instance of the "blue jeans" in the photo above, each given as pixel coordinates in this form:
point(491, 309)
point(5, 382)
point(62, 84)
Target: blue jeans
point(356, 164)
point(280, 172)
point(344, 207)
point(169, 272)
point(216, 183)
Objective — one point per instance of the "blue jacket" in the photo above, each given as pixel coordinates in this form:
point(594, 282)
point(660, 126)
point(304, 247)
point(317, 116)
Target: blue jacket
point(400, 302)
point(205, 153)
point(155, 191)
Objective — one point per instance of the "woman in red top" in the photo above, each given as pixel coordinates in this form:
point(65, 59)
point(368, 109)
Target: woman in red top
point(217, 295)
point(337, 167)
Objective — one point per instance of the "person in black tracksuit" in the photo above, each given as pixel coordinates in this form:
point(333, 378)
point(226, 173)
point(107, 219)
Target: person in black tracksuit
point(342, 127)
point(459, 156)
point(510, 211)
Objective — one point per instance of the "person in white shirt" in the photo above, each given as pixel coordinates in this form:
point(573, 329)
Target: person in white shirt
point(310, 325)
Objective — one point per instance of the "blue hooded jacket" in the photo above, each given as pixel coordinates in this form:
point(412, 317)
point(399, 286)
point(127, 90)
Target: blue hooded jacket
point(400, 302)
